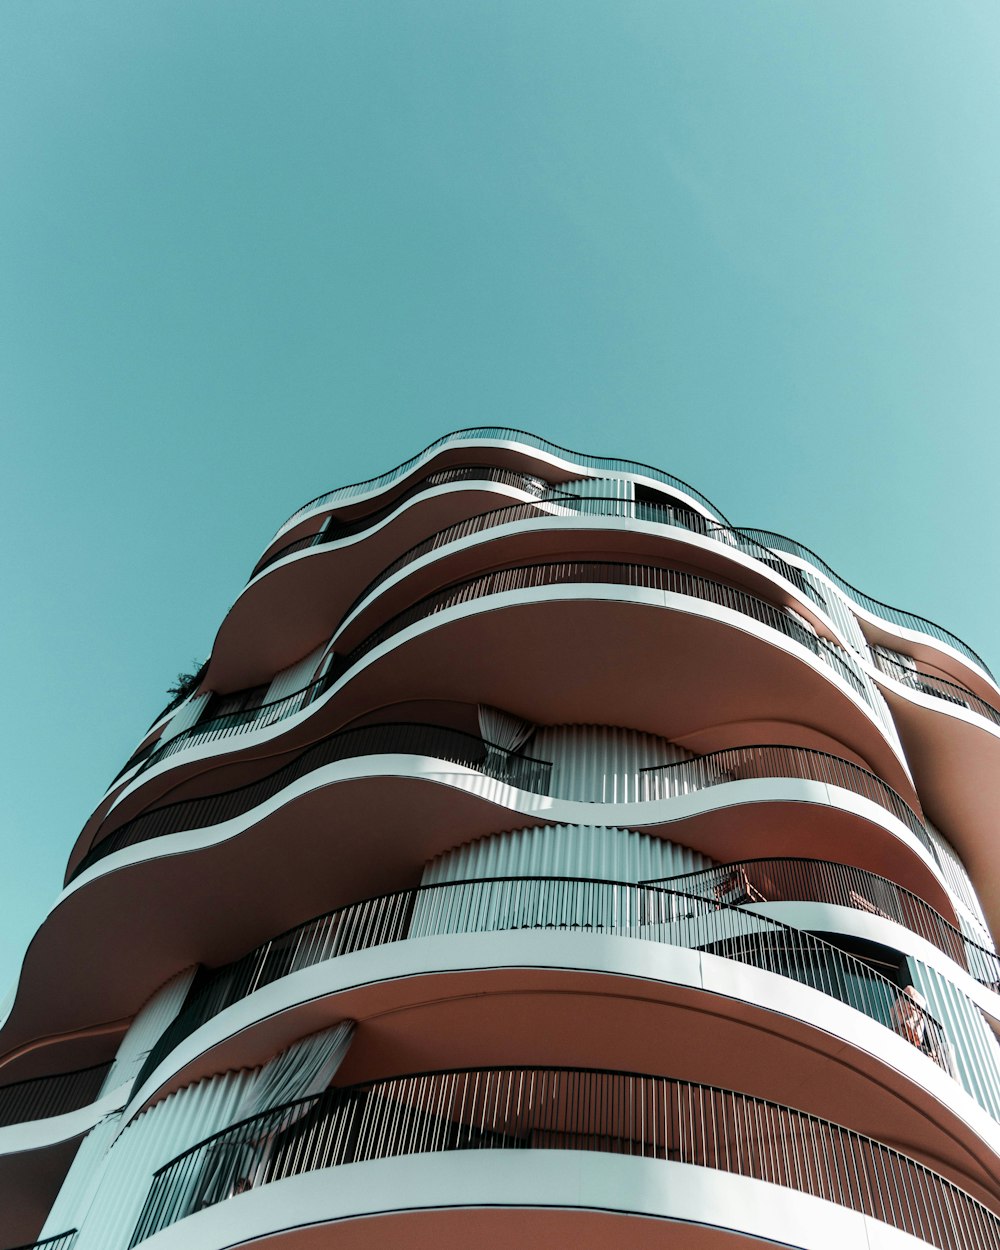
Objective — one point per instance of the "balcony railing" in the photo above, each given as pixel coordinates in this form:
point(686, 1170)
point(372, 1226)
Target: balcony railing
point(239, 722)
point(46, 1096)
point(63, 1241)
point(520, 771)
point(615, 464)
point(928, 683)
point(619, 1113)
point(563, 505)
point(606, 464)
point(895, 616)
point(799, 880)
point(662, 781)
point(645, 576)
point(496, 904)
point(337, 529)
point(451, 745)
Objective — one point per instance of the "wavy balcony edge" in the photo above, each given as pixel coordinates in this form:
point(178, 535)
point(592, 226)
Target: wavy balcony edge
point(611, 1112)
point(895, 616)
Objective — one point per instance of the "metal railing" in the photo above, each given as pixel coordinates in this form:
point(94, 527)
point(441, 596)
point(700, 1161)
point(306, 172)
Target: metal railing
point(895, 616)
point(795, 879)
point(662, 781)
point(645, 576)
point(451, 745)
point(521, 771)
point(336, 529)
point(607, 464)
point(497, 904)
point(557, 505)
point(619, 1113)
point(239, 722)
point(928, 683)
point(62, 1241)
point(45, 1096)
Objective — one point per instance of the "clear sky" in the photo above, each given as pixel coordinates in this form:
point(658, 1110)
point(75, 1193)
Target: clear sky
point(249, 251)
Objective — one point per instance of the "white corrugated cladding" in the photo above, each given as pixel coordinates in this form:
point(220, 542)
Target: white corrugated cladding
point(593, 851)
point(600, 763)
point(975, 1052)
point(108, 1210)
point(185, 716)
point(145, 1029)
point(92, 1161)
point(599, 488)
point(967, 905)
point(295, 676)
point(839, 611)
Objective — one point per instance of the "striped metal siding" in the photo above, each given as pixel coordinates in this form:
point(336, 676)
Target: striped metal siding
point(600, 763)
point(975, 1050)
point(839, 611)
point(295, 676)
point(105, 1204)
point(599, 488)
point(594, 851)
point(146, 1028)
point(967, 904)
point(185, 716)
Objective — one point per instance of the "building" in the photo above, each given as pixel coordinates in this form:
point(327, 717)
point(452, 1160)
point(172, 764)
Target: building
point(537, 861)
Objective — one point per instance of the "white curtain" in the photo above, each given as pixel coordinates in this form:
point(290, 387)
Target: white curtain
point(501, 729)
point(306, 1068)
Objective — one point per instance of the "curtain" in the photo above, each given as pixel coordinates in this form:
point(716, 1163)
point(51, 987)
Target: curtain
point(306, 1068)
point(502, 734)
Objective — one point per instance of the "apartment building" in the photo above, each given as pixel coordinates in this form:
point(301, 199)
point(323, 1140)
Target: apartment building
point(537, 860)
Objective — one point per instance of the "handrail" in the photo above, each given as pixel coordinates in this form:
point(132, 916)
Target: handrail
point(518, 770)
point(43, 1096)
point(571, 505)
point(646, 576)
point(767, 538)
point(896, 616)
point(798, 879)
point(929, 683)
point(410, 738)
point(344, 529)
point(661, 781)
point(545, 1108)
point(61, 1241)
point(522, 577)
point(506, 434)
point(494, 904)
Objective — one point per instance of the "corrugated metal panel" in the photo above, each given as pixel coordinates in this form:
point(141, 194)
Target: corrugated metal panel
point(145, 1029)
point(185, 716)
point(964, 896)
point(595, 851)
point(839, 611)
point(600, 763)
point(106, 1205)
point(975, 1051)
point(295, 676)
point(598, 488)
point(592, 851)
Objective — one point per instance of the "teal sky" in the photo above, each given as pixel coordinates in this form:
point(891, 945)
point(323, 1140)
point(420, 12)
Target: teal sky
point(249, 251)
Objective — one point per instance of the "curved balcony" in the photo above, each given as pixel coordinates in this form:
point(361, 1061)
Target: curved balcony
point(45, 1096)
point(798, 880)
point(546, 1109)
point(929, 683)
point(515, 769)
point(641, 576)
point(335, 530)
point(568, 505)
point(615, 465)
point(604, 464)
point(894, 616)
point(619, 909)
